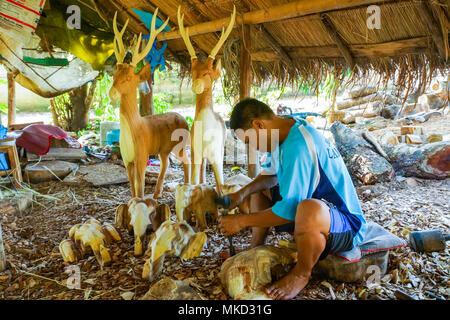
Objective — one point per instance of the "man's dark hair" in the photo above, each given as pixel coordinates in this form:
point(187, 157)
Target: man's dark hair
point(247, 110)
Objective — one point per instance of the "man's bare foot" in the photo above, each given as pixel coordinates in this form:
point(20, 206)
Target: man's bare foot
point(287, 287)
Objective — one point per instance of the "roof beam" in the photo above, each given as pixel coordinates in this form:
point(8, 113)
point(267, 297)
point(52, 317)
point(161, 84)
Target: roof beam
point(376, 50)
point(284, 56)
point(276, 13)
point(435, 30)
point(343, 48)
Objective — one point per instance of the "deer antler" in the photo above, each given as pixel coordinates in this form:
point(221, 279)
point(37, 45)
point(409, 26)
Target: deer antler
point(119, 48)
point(185, 35)
point(224, 35)
point(138, 56)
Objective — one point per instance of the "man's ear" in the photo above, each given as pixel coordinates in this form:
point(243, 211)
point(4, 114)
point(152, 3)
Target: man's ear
point(258, 124)
point(145, 73)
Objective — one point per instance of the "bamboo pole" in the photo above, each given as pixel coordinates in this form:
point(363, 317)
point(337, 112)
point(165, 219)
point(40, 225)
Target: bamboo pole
point(11, 99)
point(276, 13)
point(343, 48)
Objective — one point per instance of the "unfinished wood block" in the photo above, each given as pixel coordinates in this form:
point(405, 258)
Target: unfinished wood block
point(169, 289)
point(245, 275)
point(336, 116)
point(413, 139)
point(434, 138)
point(389, 137)
point(411, 130)
point(337, 268)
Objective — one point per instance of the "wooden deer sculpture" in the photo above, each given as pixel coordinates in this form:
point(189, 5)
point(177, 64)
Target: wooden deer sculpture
point(141, 137)
point(208, 132)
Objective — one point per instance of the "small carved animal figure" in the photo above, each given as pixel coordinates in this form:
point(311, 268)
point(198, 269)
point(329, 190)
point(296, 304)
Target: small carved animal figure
point(138, 216)
point(174, 239)
point(89, 236)
point(199, 199)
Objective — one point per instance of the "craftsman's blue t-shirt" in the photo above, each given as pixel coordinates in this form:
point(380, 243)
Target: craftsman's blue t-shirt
point(308, 166)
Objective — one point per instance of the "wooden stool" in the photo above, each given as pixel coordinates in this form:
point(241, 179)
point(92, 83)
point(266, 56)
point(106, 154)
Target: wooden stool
point(8, 146)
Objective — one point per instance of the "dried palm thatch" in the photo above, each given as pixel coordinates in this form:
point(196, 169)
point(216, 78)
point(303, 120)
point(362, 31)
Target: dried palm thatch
point(333, 39)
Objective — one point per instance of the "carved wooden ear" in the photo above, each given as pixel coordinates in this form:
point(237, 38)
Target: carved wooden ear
point(145, 73)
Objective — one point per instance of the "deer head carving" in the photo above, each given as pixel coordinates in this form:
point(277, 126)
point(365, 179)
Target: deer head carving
point(204, 73)
point(125, 80)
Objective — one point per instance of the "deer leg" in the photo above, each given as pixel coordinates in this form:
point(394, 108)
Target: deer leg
point(130, 172)
point(203, 171)
point(139, 179)
point(186, 166)
point(196, 162)
point(218, 174)
point(164, 159)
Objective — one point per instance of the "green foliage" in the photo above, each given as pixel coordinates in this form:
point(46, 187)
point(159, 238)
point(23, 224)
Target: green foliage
point(3, 107)
point(160, 103)
point(3, 81)
point(93, 126)
point(190, 121)
point(102, 104)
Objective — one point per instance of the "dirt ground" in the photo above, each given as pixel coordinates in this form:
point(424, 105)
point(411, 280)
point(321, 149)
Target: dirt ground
point(37, 271)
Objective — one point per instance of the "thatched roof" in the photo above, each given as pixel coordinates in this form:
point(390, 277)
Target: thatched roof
point(293, 40)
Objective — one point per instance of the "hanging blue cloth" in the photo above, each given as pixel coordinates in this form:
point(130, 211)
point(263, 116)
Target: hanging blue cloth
point(155, 56)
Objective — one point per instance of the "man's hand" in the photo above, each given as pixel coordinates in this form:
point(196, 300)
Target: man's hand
point(230, 224)
point(236, 199)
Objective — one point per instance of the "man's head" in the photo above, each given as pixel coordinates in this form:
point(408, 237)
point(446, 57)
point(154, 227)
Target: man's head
point(253, 121)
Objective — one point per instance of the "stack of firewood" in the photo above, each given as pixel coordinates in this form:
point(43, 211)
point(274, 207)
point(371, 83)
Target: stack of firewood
point(367, 102)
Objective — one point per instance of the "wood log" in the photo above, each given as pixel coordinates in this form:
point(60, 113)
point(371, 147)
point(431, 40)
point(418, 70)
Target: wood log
point(245, 275)
point(361, 100)
point(389, 137)
point(434, 137)
point(429, 161)
point(365, 165)
point(390, 111)
point(413, 139)
point(350, 115)
point(411, 130)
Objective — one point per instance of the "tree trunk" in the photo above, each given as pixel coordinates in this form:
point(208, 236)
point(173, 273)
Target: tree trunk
point(364, 164)
point(430, 161)
point(244, 92)
point(80, 115)
point(146, 106)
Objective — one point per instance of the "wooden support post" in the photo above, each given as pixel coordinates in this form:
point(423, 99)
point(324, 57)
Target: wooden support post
point(11, 99)
point(435, 30)
point(343, 48)
point(244, 92)
point(2, 250)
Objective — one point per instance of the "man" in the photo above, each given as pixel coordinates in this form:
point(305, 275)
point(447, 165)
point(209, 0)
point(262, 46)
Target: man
point(305, 188)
